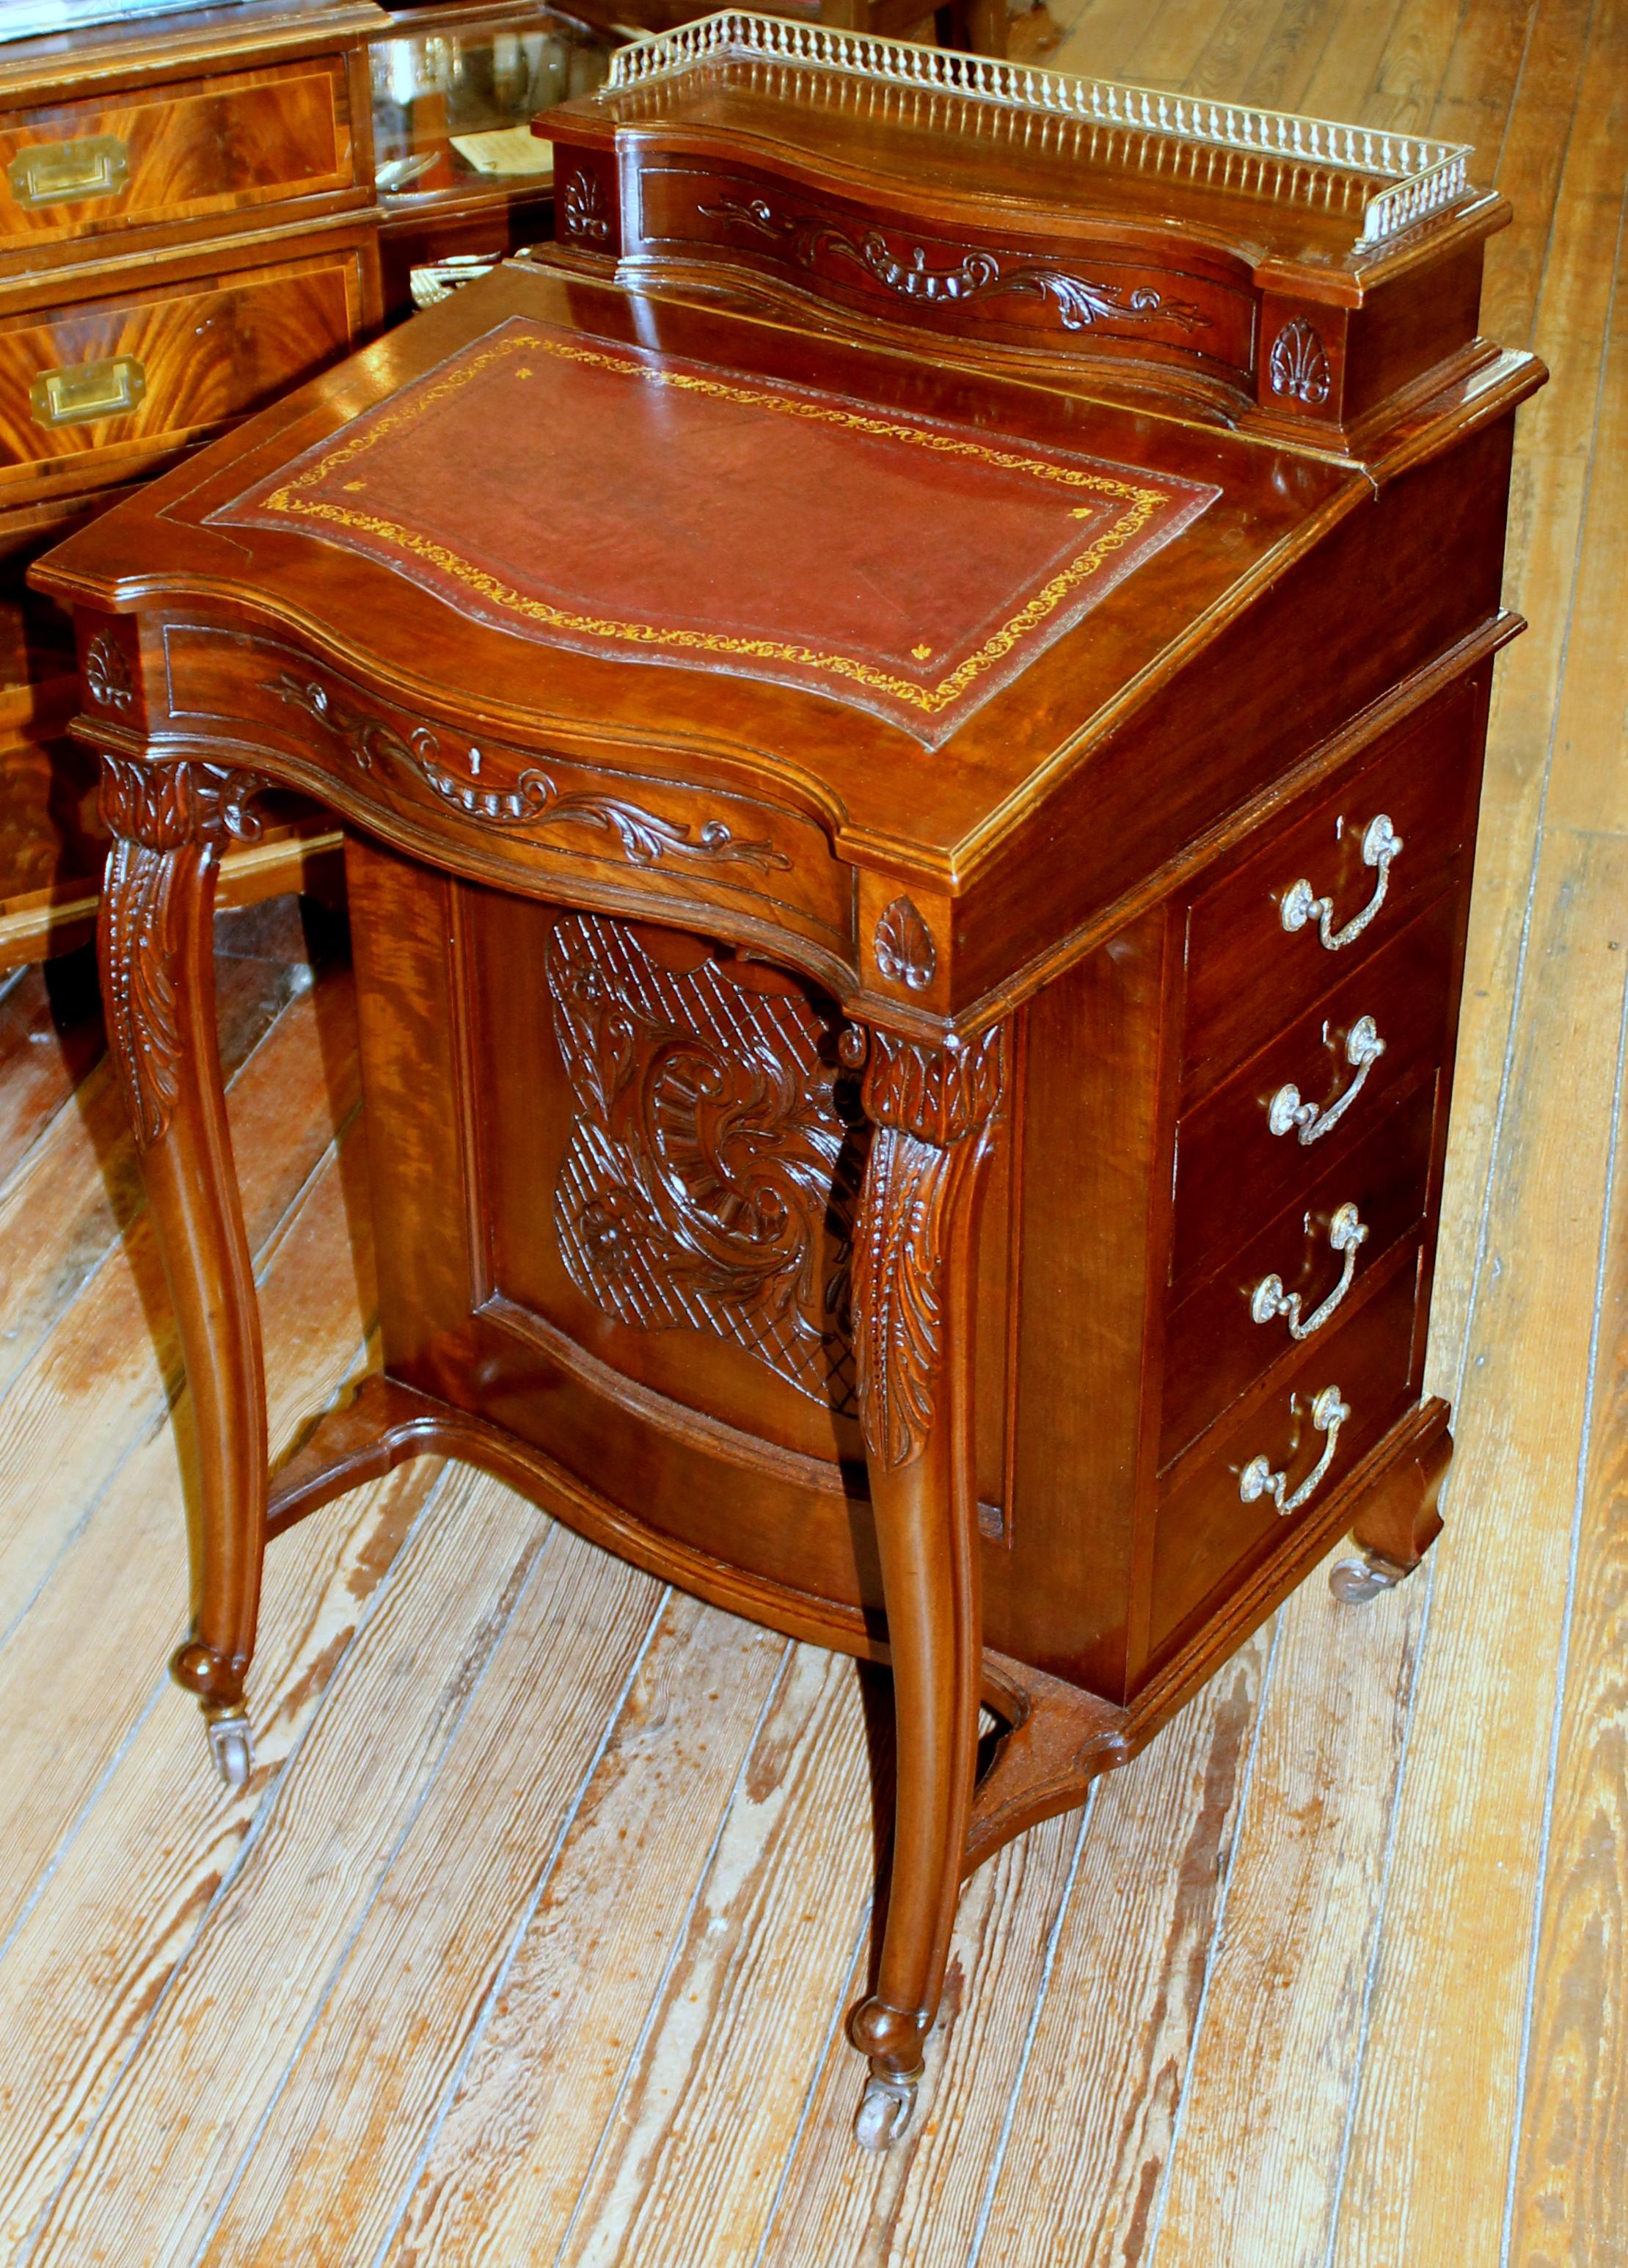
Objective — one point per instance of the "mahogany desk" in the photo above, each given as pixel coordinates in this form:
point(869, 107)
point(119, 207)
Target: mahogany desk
point(907, 711)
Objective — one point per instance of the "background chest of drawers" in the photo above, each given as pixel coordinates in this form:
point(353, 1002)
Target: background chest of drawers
point(186, 229)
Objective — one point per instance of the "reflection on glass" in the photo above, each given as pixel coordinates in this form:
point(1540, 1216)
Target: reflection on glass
point(452, 110)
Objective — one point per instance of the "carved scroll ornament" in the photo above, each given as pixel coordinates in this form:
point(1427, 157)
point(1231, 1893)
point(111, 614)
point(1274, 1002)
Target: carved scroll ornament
point(161, 816)
point(929, 1104)
point(533, 801)
point(1080, 304)
point(714, 1160)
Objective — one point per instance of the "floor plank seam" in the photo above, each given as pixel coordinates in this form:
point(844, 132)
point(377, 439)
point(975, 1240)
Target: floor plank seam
point(1482, 1242)
point(1156, 2219)
point(43, 1881)
point(518, 1934)
point(680, 1936)
point(1054, 1937)
point(844, 2001)
point(325, 1990)
point(251, 1840)
point(1562, 1665)
point(171, 1387)
point(1514, 99)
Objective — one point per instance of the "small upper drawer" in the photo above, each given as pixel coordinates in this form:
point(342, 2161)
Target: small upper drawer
point(197, 150)
point(1312, 1093)
point(1293, 1281)
point(1231, 1505)
point(100, 390)
point(1330, 886)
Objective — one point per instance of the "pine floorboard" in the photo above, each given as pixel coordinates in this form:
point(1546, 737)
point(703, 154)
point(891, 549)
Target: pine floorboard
point(529, 1939)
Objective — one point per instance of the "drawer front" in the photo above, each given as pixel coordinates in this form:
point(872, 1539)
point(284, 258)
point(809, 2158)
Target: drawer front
point(1221, 1516)
point(1349, 873)
point(538, 820)
point(132, 378)
point(188, 152)
point(1292, 1284)
point(1233, 1171)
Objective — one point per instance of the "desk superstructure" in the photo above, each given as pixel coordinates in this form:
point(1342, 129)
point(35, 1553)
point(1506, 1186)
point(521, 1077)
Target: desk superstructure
point(907, 707)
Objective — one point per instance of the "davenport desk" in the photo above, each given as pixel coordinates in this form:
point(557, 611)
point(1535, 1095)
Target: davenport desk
point(906, 706)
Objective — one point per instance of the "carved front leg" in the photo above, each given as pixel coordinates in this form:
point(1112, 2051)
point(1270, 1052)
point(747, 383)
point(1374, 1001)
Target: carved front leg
point(158, 965)
point(913, 1315)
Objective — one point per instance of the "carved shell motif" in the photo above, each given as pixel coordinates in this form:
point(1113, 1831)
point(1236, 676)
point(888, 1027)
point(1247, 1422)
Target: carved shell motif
point(905, 952)
point(1299, 366)
point(583, 205)
point(107, 674)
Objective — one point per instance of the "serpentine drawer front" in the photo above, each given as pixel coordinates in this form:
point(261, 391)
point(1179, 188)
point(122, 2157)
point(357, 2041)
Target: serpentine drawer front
point(852, 1130)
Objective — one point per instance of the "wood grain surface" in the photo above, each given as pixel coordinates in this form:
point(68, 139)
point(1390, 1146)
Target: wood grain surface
point(525, 1942)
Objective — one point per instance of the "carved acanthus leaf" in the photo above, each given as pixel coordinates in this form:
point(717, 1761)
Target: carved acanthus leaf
point(167, 802)
point(941, 1095)
point(138, 985)
point(927, 1103)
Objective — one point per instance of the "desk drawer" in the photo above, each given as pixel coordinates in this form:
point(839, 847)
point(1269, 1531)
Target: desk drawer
point(1233, 1171)
point(1215, 1347)
point(1247, 976)
point(1208, 1535)
point(193, 150)
point(92, 391)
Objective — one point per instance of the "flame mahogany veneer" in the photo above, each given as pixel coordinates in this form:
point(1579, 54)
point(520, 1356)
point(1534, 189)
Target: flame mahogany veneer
point(910, 774)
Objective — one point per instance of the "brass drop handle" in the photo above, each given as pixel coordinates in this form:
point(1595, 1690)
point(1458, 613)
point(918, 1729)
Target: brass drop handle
point(1381, 844)
point(86, 390)
point(63, 172)
point(1257, 1479)
point(1346, 1233)
point(1363, 1049)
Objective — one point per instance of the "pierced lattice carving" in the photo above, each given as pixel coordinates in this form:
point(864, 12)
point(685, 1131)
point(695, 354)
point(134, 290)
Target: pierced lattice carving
point(714, 1165)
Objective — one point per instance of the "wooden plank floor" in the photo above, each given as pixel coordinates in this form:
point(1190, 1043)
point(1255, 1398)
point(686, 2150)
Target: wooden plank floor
point(530, 1940)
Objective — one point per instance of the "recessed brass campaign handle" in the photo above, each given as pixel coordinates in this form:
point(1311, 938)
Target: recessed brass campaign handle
point(63, 173)
point(1381, 844)
point(1257, 1479)
point(87, 390)
point(1346, 1231)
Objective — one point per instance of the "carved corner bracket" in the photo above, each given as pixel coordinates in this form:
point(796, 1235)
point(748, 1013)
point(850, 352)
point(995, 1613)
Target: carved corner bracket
point(926, 1104)
point(162, 815)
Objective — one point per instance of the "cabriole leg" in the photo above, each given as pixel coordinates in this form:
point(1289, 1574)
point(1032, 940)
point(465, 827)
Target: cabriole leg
point(913, 1309)
point(156, 940)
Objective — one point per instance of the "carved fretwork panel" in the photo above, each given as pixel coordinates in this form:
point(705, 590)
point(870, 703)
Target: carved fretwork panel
point(715, 1156)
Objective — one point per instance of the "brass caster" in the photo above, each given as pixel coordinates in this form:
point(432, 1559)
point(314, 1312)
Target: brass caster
point(1355, 1581)
point(231, 1745)
point(885, 2111)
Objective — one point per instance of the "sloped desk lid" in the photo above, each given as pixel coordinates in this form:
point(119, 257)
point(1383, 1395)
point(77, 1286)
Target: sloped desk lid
point(590, 494)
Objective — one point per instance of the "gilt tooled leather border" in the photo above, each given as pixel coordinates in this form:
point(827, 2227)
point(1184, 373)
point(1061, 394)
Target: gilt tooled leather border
point(1058, 604)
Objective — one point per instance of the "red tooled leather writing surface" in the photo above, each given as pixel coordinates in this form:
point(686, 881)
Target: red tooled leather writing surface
point(592, 495)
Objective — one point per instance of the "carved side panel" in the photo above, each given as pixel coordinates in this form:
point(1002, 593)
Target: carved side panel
point(714, 1163)
point(929, 1104)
